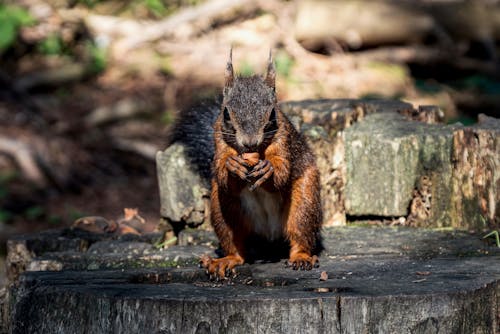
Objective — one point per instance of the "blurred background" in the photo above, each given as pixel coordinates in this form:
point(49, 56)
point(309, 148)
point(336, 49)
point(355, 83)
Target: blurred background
point(88, 88)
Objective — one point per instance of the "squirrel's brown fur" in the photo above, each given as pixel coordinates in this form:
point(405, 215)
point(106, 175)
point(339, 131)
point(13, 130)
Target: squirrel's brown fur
point(276, 197)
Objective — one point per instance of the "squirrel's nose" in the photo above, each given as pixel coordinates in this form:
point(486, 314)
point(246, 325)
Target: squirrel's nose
point(251, 147)
point(251, 144)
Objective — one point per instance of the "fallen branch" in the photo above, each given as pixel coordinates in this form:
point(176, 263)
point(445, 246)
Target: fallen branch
point(186, 23)
point(419, 54)
point(22, 154)
point(358, 23)
point(123, 109)
point(53, 76)
point(142, 148)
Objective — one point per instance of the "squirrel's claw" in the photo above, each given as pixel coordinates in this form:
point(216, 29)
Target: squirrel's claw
point(263, 170)
point(262, 179)
point(237, 166)
point(260, 168)
point(303, 261)
point(221, 268)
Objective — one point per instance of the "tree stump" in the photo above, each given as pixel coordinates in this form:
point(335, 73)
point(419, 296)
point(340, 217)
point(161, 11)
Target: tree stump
point(377, 158)
point(376, 280)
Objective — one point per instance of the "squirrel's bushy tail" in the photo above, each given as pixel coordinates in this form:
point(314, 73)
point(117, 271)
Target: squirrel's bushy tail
point(193, 129)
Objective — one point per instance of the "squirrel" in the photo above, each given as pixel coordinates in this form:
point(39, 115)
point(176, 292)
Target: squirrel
point(264, 178)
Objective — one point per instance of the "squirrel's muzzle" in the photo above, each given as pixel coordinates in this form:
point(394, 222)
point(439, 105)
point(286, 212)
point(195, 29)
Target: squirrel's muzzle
point(249, 143)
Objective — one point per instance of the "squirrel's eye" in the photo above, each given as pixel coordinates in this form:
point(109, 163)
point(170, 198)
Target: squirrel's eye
point(226, 114)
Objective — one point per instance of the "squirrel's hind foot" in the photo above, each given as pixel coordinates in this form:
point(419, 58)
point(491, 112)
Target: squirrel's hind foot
point(220, 268)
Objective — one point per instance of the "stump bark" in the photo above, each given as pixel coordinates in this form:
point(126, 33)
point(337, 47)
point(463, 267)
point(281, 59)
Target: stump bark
point(377, 158)
point(390, 280)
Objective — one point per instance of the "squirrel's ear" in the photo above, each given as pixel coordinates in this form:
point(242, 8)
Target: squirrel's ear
point(229, 76)
point(270, 78)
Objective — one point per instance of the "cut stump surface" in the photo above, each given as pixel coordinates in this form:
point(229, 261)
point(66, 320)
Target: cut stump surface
point(380, 280)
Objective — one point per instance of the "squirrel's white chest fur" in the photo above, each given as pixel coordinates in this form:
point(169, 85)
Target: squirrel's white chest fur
point(264, 211)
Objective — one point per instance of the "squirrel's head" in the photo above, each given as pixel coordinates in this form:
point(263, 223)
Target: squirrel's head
point(249, 109)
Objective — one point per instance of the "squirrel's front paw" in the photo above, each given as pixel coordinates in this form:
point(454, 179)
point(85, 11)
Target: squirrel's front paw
point(220, 268)
point(302, 261)
point(261, 173)
point(237, 166)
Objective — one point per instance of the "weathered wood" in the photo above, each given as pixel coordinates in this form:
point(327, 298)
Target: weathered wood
point(379, 280)
point(323, 123)
point(433, 174)
point(476, 173)
point(386, 155)
point(398, 162)
point(184, 194)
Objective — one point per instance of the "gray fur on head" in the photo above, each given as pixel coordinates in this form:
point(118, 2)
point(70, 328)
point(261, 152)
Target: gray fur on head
point(248, 105)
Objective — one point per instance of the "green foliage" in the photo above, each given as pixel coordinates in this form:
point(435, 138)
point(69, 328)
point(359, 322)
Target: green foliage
point(89, 3)
point(156, 7)
point(479, 82)
point(284, 64)
point(165, 64)
point(98, 57)
point(52, 45)
point(55, 219)
point(34, 212)
point(5, 216)
point(371, 96)
point(394, 71)
point(75, 214)
point(493, 234)
point(465, 120)
point(62, 92)
point(246, 69)
point(3, 191)
point(8, 34)
point(167, 117)
point(164, 244)
point(11, 19)
point(5, 179)
point(162, 8)
point(427, 86)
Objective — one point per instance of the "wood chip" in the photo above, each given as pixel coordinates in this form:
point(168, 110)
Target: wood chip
point(419, 280)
